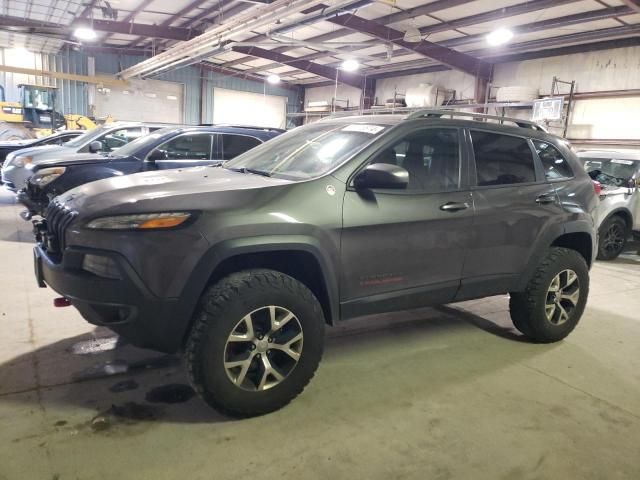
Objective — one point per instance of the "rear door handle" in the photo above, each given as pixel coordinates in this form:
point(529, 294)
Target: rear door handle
point(546, 199)
point(454, 206)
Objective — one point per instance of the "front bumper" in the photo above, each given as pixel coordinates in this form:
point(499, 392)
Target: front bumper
point(126, 305)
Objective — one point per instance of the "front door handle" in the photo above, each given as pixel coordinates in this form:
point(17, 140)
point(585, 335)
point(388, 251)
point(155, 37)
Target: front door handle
point(454, 206)
point(546, 199)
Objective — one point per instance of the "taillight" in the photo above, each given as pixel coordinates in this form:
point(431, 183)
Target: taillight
point(597, 187)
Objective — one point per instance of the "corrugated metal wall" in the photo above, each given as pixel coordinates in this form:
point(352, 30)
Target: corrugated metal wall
point(73, 96)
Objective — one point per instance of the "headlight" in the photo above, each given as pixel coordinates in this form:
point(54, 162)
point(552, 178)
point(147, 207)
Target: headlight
point(22, 160)
point(46, 176)
point(143, 221)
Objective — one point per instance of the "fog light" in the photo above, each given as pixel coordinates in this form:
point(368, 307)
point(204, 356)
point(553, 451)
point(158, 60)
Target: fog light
point(101, 266)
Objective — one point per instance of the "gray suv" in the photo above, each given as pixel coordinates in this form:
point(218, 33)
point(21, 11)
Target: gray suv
point(617, 174)
point(241, 266)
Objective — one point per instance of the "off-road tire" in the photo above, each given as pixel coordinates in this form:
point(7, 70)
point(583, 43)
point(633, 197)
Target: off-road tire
point(613, 222)
point(528, 308)
point(221, 307)
point(9, 131)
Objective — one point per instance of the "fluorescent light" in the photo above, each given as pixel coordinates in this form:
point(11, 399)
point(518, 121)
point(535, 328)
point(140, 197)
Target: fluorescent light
point(85, 33)
point(350, 65)
point(273, 78)
point(499, 37)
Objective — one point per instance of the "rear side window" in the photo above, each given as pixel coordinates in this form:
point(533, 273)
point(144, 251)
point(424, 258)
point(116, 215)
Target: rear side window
point(555, 165)
point(234, 145)
point(119, 138)
point(502, 159)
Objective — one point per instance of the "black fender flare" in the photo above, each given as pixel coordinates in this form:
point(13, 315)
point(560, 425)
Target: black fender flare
point(218, 253)
point(547, 240)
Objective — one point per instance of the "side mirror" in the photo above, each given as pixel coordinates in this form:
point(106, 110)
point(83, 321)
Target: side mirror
point(382, 175)
point(95, 146)
point(157, 155)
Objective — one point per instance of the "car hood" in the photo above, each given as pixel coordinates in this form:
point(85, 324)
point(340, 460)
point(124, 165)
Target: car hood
point(73, 158)
point(196, 188)
point(43, 152)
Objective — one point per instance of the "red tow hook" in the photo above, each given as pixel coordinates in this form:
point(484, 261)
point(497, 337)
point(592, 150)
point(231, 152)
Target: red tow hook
point(61, 302)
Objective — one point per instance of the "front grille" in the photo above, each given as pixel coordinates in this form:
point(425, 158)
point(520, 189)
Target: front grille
point(58, 218)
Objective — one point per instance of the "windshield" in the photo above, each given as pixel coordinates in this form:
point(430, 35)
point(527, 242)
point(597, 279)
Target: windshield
point(611, 171)
point(131, 148)
point(307, 152)
point(86, 137)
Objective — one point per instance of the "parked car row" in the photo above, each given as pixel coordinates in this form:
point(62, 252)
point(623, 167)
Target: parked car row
point(39, 174)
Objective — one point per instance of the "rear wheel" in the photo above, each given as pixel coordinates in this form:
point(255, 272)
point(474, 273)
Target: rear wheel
point(555, 297)
point(613, 238)
point(256, 342)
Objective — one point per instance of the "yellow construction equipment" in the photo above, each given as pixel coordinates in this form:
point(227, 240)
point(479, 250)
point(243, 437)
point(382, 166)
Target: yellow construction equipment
point(35, 115)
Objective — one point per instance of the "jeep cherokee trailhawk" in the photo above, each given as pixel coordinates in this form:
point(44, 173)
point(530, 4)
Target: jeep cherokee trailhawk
point(240, 266)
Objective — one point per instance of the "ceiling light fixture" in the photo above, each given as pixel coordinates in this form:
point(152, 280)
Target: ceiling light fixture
point(499, 37)
point(412, 35)
point(350, 65)
point(273, 79)
point(85, 33)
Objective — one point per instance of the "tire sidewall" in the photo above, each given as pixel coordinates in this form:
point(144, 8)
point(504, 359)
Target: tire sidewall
point(542, 327)
point(212, 348)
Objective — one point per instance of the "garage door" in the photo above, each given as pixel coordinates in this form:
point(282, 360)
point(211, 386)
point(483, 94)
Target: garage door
point(142, 101)
point(244, 108)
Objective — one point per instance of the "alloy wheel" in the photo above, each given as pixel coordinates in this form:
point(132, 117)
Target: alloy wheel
point(613, 239)
point(263, 348)
point(562, 297)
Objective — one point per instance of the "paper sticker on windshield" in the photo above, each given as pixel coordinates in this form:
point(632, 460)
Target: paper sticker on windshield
point(362, 128)
point(623, 162)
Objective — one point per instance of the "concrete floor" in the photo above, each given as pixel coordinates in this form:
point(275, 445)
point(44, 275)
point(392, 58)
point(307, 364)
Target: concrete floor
point(439, 393)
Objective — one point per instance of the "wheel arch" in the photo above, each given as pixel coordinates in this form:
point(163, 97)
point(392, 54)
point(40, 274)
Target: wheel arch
point(300, 257)
point(622, 212)
point(578, 236)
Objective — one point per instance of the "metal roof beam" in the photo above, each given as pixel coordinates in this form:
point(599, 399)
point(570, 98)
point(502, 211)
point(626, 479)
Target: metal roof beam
point(331, 73)
point(635, 4)
point(452, 58)
point(109, 26)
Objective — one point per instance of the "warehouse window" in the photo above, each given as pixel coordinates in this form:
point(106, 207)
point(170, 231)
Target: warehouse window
point(502, 159)
point(555, 165)
point(234, 145)
point(431, 156)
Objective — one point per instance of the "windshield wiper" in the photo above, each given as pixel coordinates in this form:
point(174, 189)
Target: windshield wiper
point(250, 170)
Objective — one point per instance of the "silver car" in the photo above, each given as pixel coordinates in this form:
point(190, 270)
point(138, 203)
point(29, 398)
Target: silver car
point(18, 166)
point(618, 216)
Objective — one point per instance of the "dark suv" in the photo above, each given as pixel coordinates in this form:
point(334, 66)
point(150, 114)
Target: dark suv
point(241, 266)
point(171, 147)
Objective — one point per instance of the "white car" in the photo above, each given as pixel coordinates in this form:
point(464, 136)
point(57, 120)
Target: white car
point(18, 166)
point(618, 215)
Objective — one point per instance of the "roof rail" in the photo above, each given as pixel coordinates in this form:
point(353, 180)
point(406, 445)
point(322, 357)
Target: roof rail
point(482, 116)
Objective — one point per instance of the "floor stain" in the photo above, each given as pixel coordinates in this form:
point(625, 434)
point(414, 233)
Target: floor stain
point(124, 386)
point(128, 414)
point(171, 393)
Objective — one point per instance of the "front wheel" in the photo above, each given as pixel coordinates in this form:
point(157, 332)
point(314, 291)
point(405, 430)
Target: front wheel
point(256, 342)
point(554, 299)
point(613, 237)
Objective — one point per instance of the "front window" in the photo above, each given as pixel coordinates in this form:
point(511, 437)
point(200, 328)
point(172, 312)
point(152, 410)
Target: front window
point(611, 171)
point(307, 152)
